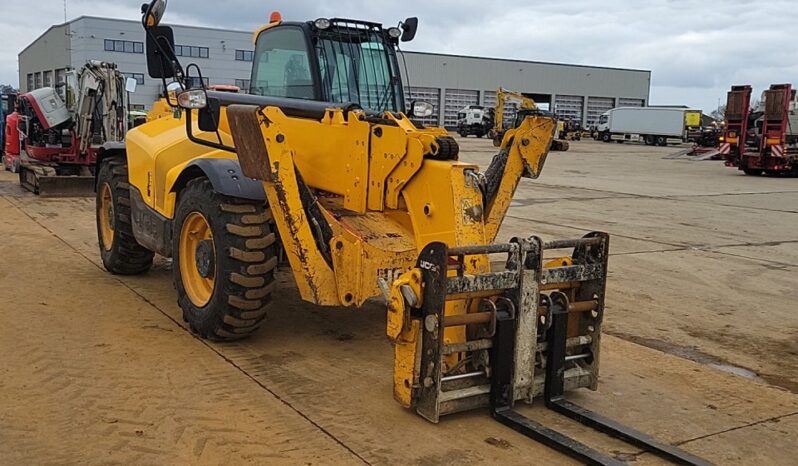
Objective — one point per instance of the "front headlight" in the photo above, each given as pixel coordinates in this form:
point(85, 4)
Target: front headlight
point(193, 99)
point(394, 32)
point(322, 23)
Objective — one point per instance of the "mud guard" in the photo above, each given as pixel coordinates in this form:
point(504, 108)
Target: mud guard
point(226, 177)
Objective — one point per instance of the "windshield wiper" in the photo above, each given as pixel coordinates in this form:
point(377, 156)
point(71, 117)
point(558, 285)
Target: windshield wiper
point(384, 96)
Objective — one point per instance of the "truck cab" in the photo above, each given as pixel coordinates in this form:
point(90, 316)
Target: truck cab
point(472, 119)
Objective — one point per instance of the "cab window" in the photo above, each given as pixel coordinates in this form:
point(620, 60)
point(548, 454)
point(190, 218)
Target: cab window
point(282, 67)
point(356, 67)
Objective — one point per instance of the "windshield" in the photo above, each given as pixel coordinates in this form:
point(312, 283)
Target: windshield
point(356, 65)
point(282, 65)
point(603, 119)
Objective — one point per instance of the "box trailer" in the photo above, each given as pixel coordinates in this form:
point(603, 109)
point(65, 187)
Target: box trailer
point(652, 125)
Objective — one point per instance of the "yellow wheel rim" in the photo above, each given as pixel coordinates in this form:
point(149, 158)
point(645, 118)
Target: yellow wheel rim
point(106, 217)
point(196, 234)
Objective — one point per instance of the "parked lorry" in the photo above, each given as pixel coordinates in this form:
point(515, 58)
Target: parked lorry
point(473, 119)
point(658, 126)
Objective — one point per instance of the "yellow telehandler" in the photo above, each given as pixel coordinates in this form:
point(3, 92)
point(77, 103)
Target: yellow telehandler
point(320, 165)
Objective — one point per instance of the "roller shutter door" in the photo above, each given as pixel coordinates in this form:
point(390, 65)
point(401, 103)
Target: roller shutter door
point(626, 102)
point(569, 106)
point(427, 94)
point(596, 106)
point(456, 99)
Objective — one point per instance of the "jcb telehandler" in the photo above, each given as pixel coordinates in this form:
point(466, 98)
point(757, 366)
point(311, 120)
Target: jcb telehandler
point(320, 165)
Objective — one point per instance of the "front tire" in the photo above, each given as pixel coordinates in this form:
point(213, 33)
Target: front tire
point(224, 256)
point(606, 137)
point(120, 252)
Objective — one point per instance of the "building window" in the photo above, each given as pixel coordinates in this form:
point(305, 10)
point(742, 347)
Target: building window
point(194, 82)
point(30, 82)
point(191, 51)
point(125, 46)
point(60, 78)
point(139, 77)
point(139, 107)
point(37, 80)
point(243, 84)
point(244, 55)
point(47, 78)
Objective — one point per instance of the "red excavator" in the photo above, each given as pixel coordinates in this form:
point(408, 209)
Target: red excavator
point(61, 140)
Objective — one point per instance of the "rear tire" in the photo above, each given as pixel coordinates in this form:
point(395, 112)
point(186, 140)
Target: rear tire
point(662, 141)
point(649, 140)
point(232, 266)
point(120, 252)
point(752, 172)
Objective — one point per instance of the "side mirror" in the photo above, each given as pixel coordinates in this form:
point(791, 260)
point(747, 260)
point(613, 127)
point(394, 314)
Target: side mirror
point(153, 13)
point(421, 109)
point(130, 85)
point(159, 64)
point(409, 27)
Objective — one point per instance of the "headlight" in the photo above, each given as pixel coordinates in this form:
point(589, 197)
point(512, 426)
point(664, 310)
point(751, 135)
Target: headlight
point(193, 99)
point(322, 23)
point(394, 33)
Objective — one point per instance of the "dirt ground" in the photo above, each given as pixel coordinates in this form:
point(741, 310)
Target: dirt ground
point(700, 349)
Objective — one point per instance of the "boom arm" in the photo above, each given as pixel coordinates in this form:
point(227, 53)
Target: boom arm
point(100, 89)
point(501, 97)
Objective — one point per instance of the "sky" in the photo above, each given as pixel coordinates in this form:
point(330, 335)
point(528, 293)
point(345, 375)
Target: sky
point(695, 50)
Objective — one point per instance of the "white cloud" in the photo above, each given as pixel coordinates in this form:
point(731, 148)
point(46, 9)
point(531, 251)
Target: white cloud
point(696, 50)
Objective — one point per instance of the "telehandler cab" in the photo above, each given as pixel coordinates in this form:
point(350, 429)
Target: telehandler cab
point(319, 164)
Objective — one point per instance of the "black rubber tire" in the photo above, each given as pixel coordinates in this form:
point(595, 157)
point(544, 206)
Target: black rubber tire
point(753, 172)
point(245, 257)
point(648, 139)
point(448, 149)
point(126, 256)
point(662, 141)
point(606, 137)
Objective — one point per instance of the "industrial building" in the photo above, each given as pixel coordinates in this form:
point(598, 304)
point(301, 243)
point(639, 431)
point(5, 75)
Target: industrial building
point(449, 82)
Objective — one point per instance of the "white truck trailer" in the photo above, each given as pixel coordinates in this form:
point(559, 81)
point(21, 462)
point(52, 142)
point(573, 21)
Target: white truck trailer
point(652, 125)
